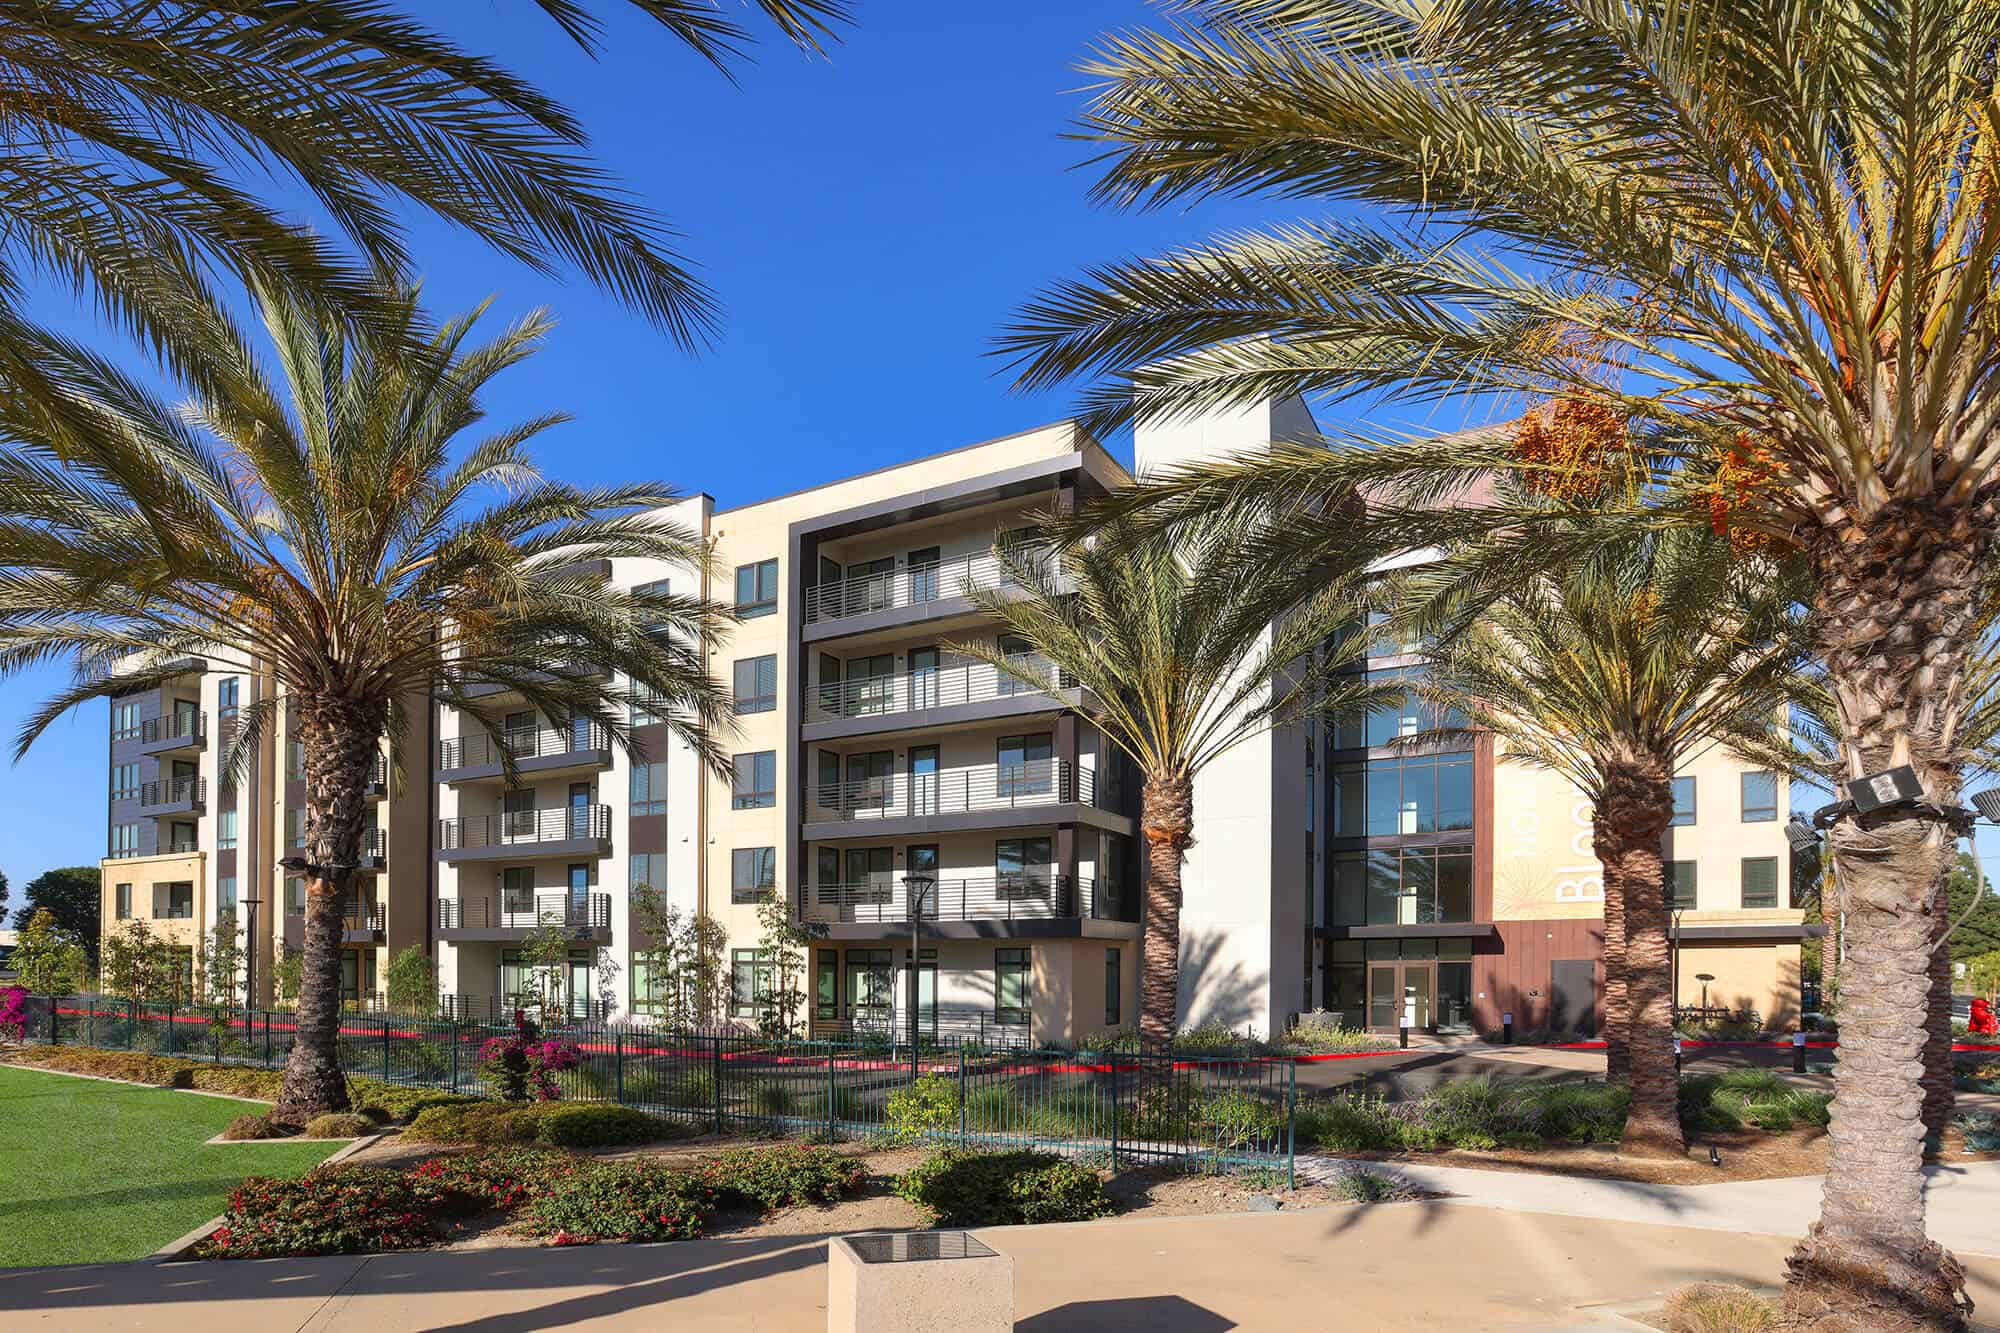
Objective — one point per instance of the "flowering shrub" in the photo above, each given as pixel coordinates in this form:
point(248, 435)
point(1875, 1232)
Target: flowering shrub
point(13, 1013)
point(928, 1106)
point(525, 1064)
point(634, 1201)
point(333, 1210)
point(954, 1188)
point(502, 1178)
point(781, 1176)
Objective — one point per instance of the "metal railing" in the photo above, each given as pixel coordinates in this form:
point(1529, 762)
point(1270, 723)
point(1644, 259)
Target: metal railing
point(521, 827)
point(912, 585)
point(1023, 897)
point(174, 791)
point(589, 912)
point(357, 917)
point(500, 1008)
point(185, 727)
point(915, 691)
point(523, 743)
point(962, 790)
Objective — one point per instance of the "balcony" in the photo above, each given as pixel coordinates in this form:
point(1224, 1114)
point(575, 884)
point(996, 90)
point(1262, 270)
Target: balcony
point(374, 847)
point(585, 918)
point(174, 796)
point(481, 756)
point(902, 596)
point(969, 692)
point(520, 834)
point(361, 923)
point(1045, 791)
point(490, 689)
point(378, 778)
point(1035, 903)
point(178, 731)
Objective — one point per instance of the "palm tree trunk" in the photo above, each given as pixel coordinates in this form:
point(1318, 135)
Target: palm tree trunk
point(1166, 817)
point(1617, 1010)
point(1637, 805)
point(1895, 611)
point(339, 738)
point(1940, 1098)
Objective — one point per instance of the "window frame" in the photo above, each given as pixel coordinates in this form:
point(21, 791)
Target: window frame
point(1743, 883)
point(646, 788)
point(754, 795)
point(763, 600)
point(762, 973)
point(225, 830)
point(745, 863)
point(759, 700)
point(1114, 987)
point(1757, 814)
point(121, 902)
point(1018, 963)
point(1693, 810)
point(1674, 902)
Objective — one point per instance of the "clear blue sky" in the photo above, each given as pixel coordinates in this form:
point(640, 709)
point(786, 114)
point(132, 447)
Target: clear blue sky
point(868, 220)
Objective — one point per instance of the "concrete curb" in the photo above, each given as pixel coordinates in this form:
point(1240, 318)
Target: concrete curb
point(177, 1250)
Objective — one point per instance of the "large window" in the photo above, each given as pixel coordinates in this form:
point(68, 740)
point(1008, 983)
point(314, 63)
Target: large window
point(174, 900)
point(753, 872)
point(1392, 797)
point(125, 720)
point(122, 896)
point(751, 981)
point(646, 705)
point(1407, 716)
point(225, 830)
point(124, 782)
point(757, 683)
point(1681, 885)
point(657, 588)
point(1683, 803)
point(228, 696)
point(1113, 989)
point(649, 871)
point(871, 987)
point(757, 589)
point(826, 985)
point(755, 785)
point(124, 839)
point(649, 988)
point(1402, 887)
point(1760, 881)
point(225, 894)
point(1025, 767)
point(1760, 797)
point(649, 789)
point(1013, 987)
point(1022, 868)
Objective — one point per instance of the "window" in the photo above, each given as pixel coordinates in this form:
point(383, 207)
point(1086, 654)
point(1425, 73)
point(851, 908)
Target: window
point(657, 588)
point(649, 789)
point(753, 872)
point(756, 781)
point(649, 995)
point(646, 705)
point(757, 589)
point(649, 871)
point(1760, 881)
point(757, 684)
point(1760, 797)
point(1113, 857)
point(751, 981)
point(1680, 884)
point(295, 760)
point(1025, 767)
point(1013, 986)
point(124, 839)
point(181, 837)
point(174, 901)
point(295, 895)
point(871, 981)
point(124, 782)
point(225, 894)
point(122, 896)
point(1112, 991)
point(826, 985)
point(1401, 886)
point(295, 827)
point(1392, 797)
point(870, 877)
point(517, 894)
point(1683, 803)
point(125, 720)
point(1021, 868)
point(228, 695)
point(1406, 716)
point(225, 830)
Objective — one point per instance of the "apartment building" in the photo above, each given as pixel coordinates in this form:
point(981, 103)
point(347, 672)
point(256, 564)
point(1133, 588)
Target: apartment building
point(882, 778)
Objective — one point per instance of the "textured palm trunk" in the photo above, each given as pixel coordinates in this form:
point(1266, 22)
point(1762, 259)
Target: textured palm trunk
point(339, 738)
point(1166, 817)
point(1939, 1096)
point(1637, 805)
point(1896, 625)
point(1617, 1012)
point(1829, 948)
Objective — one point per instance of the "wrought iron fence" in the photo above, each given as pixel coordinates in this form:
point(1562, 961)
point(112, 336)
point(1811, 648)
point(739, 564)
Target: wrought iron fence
point(1128, 1108)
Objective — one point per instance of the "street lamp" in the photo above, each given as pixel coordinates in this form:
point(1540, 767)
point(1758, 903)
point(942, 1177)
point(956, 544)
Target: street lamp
point(915, 887)
point(252, 903)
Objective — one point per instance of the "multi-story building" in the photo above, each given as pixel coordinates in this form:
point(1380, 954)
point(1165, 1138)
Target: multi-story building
point(881, 776)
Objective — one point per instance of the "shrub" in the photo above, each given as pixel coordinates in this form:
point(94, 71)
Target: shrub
point(768, 1097)
point(1717, 1103)
point(1577, 1112)
point(262, 1084)
point(1321, 1033)
point(1215, 1038)
point(1234, 1120)
point(1361, 1185)
point(1978, 1078)
point(503, 1178)
point(333, 1210)
point(392, 1101)
point(13, 1013)
point(1982, 1132)
point(783, 1176)
point(953, 1188)
point(927, 1106)
point(1710, 1307)
point(1523, 1140)
point(247, 1128)
point(339, 1125)
point(563, 1125)
point(524, 1064)
point(132, 1066)
point(633, 1201)
point(1345, 1123)
point(694, 1090)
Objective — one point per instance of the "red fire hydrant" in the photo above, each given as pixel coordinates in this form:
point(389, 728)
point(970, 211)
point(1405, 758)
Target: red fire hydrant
point(1983, 1023)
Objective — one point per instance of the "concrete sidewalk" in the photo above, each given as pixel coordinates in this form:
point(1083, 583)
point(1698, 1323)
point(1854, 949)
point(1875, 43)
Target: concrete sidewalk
point(1961, 1201)
point(1389, 1266)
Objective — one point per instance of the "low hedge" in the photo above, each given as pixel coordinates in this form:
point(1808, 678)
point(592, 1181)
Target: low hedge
point(392, 1102)
point(331, 1210)
point(250, 1128)
point(551, 1124)
point(132, 1066)
point(628, 1200)
point(975, 1189)
point(339, 1125)
point(785, 1175)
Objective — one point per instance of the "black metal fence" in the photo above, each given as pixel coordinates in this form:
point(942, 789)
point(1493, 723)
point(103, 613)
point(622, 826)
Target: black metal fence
point(1128, 1108)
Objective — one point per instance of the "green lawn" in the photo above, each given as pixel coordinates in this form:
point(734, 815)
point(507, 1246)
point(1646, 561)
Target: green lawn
point(93, 1171)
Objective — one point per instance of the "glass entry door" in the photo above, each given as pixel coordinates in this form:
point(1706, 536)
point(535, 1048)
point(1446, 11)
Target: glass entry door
point(1400, 994)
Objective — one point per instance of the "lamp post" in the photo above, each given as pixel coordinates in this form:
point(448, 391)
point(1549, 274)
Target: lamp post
point(251, 905)
point(915, 887)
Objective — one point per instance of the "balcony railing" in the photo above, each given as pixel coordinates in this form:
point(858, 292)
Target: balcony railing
point(358, 917)
point(174, 791)
point(478, 748)
point(961, 791)
point(1029, 896)
point(916, 691)
point(518, 827)
point(186, 727)
point(500, 1008)
point(913, 585)
point(571, 912)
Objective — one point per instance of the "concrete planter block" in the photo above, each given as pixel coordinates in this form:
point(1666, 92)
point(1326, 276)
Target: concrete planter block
point(917, 1282)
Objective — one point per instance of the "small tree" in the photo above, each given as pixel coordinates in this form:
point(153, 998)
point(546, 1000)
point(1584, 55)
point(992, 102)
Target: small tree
point(781, 961)
point(139, 965)
point(48, 958)
point(221, 961)
point(545, 952)
point(1982, 975)
point(412, 983)
point(682, 957)
point(287, 973)
point(71, 893)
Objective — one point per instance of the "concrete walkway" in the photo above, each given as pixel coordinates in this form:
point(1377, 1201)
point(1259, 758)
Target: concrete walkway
point(1387, 1266)
point(1961, 1202)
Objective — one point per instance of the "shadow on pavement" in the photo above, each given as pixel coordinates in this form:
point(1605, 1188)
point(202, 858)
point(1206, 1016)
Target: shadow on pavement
point(1152, 1314)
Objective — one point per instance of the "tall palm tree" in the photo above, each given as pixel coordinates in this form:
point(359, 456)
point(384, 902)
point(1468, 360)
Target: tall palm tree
point(1613, 670)
point(136, 130)
point(1184, 665)
point(1763, 223)
point(353, 530)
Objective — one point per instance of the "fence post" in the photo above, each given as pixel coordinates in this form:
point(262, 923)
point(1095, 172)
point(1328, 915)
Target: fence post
point(131, 1025)
point(961, 1094)
point(171, 1025)
point(715, 1076)
point(55, 1033)
point(385, 1048)
point(618, 1065)
point(1114, 1110)
point(454, 1056)
point(267, 1038)
point(1291, 1125)
point(829, 1092)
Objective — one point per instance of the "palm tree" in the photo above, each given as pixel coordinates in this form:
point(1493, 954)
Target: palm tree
point(1168, 637)
point(1762, 225)
point(134, 127)
point(1613, 670)
point(353, 531)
